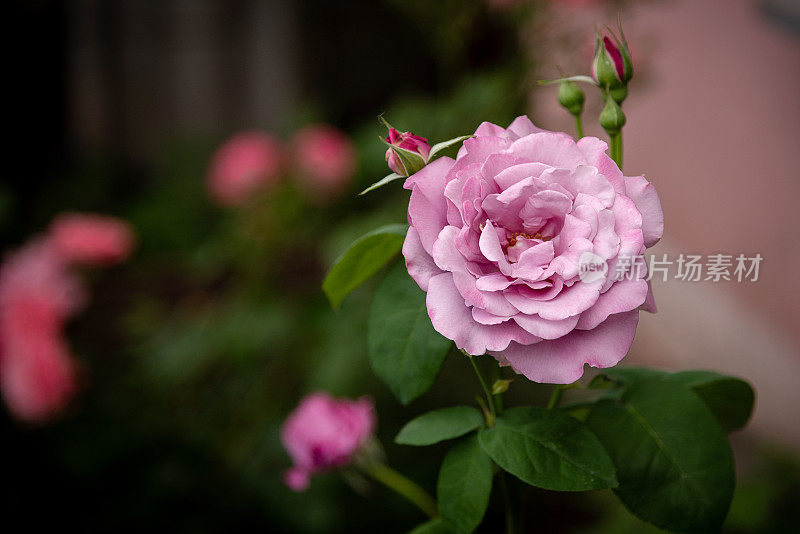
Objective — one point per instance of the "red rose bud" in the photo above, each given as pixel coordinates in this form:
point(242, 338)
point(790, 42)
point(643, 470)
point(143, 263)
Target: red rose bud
point(612, 67)
point(404, 163)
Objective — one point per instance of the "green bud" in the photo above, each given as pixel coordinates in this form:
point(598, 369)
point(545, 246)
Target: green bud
point(619, 94)
point(500, 386)
point(612, 66)
point(612, 119)
point(571, 97)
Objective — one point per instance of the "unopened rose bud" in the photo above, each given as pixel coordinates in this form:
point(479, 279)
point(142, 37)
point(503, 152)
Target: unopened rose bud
point(619, 94)
point(571, 97)
point(612, 67)
point(325, 433)
point(406, 166)
point(612, 119)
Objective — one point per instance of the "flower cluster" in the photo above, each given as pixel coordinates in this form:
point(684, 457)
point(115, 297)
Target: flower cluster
point(321, 157)
point(39, 292)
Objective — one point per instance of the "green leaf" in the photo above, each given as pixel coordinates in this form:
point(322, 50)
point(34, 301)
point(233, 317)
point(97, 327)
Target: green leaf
point(404, 349)
point(362, 259)
point(729, 399)
point(625, 375)
point(674, 464)
point(580, 78)
point(438, 147)
point(383, 181)
point(465, 483)
point(439, 425)
point(434, 526)
point(548, 449)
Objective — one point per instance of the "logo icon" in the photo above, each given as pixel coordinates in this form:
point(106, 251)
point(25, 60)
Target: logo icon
point(591, 267)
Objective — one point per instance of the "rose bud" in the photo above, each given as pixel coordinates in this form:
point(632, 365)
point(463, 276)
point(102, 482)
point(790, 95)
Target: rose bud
point(571, 97)
point(612, 67)
point(411, 143)
point(324, 433)
point(91, 239)
point(612, 118)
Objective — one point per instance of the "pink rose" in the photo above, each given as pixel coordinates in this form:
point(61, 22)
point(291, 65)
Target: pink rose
point(407, 141)
point(323, 433)
point(325, 157)
point(497, 238)
point(37, 295)
point(248, 163)
point(91, 239)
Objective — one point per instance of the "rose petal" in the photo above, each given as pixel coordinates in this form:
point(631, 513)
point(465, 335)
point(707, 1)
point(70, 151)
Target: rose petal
point(516, 173)
point(453, 319)
point(545, 328)
point(493, 282)
point(522, 126)
point(561, 361)
point(622, 296)
point(419, 263)
point(645, 197)
point(570, 301)
point(594, 150)
point(649, 304)
point(554, 149)
point(491, 249)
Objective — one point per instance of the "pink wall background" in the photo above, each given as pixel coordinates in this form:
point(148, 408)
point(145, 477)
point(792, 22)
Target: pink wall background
point(714, 122)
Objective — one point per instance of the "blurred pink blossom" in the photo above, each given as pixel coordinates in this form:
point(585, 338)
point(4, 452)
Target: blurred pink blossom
point(91, 239)
point(325, 157)
point(37, 295)
point(246, 164)
point(323, 433)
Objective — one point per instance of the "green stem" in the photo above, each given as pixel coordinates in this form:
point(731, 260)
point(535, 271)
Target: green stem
point(486, 390)
point(579, 126)
point(405, 487)
point(555, 398)
point(613, 148)
point(619, 150)
point(497, 374)
point(511, 517)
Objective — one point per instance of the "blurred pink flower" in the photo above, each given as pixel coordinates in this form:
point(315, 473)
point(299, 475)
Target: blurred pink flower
point(246, 164)
point(91, 239)
point(502, 239)
point(325, 157)
point(323, 433)
point(37, 295)
point(408, 141)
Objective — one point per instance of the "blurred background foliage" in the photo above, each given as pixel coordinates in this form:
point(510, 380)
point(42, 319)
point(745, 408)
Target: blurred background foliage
point(196, 349)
